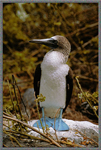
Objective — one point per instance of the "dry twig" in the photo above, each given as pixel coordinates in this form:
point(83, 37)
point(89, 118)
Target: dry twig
point(87, 137)
point(85, 96)
point(25, 124)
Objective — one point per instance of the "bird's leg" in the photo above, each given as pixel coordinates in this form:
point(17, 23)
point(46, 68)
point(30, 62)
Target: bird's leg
point(43, 112)
point(42, 122)
point(59, 124)
point(60, 115)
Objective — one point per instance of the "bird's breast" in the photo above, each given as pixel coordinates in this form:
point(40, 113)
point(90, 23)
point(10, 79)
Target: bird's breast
point(52, 60)
point(53, 87)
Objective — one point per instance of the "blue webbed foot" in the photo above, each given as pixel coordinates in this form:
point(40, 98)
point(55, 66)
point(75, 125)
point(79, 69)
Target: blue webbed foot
point(44, 122)
point(56, 123)
point(60, 125)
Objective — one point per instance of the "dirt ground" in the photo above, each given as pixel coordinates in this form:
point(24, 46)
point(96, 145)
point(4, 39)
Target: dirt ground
point(33, 143)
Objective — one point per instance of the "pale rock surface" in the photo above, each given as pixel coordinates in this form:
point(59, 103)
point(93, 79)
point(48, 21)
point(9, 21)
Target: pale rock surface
point(87, 128)
point(29, 102)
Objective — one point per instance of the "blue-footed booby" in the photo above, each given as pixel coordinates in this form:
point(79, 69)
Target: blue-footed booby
point(53, 79)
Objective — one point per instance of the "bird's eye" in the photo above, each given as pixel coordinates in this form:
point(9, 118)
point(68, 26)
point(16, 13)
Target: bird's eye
point(55, 41)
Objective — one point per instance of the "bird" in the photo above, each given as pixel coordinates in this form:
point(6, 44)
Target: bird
point(54, 79)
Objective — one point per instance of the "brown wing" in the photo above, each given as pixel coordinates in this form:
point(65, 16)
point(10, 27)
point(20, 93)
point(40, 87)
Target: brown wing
point(37, 77)
point(69, 87)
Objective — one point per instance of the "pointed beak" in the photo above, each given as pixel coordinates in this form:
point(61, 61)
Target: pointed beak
point(50, 42)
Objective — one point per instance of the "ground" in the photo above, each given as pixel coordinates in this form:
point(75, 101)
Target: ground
point(72, 112)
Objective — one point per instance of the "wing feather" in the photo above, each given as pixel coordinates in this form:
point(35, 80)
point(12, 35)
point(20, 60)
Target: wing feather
point(69, 87)
point(37, 77)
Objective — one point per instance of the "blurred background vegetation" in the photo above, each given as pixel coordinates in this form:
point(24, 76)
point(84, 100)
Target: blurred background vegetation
point(24, 21)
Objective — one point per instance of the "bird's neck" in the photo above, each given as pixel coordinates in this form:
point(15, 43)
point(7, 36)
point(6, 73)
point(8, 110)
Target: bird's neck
point(53, 59)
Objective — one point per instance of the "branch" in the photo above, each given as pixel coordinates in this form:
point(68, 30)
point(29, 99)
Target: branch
point(25, 124)
point(87, 78)
point(84, 28)
point(85, 97)
point(87, 137)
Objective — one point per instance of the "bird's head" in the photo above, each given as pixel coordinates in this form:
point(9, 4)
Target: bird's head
point(57, 43)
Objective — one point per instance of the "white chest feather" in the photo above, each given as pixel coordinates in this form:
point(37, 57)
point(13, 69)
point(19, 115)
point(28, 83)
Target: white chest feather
point(53, 82)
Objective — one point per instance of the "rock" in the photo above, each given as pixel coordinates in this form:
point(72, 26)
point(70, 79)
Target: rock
point(29, 97)
point(29, 102)
point(78, 132)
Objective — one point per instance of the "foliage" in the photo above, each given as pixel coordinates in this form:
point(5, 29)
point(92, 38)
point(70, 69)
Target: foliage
point(92, 100)
point(23, 62)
